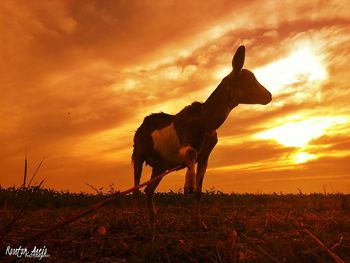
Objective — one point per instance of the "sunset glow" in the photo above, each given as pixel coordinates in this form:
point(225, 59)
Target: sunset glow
point(301, 65)
point(78, 77)
point(300, 133)
point(303, 157)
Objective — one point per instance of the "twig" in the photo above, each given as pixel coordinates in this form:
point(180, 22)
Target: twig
point(300, 192)
point(92, 208)
point(94, 188)
point(259, 249)
point(42, 181)
point(37, 169)
point(338, 243)
point(25, 171)
point(320, 243)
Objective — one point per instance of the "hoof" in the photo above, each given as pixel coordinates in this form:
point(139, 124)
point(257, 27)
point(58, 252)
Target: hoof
point(189, 190)
point(137, 192)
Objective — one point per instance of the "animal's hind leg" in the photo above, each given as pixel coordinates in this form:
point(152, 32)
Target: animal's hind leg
point(150, 191)
point(138, 162)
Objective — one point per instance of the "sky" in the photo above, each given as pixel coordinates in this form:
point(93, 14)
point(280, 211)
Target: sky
point(78, 77)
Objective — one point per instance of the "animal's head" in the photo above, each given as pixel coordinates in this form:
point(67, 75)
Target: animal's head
point(246, 88)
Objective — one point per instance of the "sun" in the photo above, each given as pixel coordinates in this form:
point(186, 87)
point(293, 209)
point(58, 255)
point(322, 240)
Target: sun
point(300, 133)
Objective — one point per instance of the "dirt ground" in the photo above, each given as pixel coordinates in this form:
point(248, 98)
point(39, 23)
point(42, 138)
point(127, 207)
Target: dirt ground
point(240, 228)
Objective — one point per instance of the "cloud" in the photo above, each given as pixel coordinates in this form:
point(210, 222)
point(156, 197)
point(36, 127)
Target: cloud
point(250, 152)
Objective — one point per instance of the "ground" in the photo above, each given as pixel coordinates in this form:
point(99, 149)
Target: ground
point(240, 227)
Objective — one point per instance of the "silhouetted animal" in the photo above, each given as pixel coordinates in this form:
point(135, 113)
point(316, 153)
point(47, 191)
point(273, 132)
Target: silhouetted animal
point(165, 141)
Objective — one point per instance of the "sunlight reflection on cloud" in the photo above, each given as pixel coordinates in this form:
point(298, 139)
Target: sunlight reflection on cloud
point(300, 133)
point(303, 157)
point(303, 64)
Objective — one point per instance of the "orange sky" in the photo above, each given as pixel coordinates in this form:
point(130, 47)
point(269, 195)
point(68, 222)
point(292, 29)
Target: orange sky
point(77, 78)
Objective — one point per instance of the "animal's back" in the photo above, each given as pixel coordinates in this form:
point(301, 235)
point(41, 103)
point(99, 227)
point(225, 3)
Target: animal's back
point(155, 121)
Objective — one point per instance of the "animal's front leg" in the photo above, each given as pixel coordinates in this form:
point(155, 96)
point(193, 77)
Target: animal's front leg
point(206, 149)
point(201, 168)
point(188, 156)
point(190, 183)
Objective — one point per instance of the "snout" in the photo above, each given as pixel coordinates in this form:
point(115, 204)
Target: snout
point(265, 95)
point(267, 98)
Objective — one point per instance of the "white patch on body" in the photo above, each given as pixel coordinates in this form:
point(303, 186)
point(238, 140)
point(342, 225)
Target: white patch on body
point(166, 142)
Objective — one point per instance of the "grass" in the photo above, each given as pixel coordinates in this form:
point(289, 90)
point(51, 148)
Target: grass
point(238, 225)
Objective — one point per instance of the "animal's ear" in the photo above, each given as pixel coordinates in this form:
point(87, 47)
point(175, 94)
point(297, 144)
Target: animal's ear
point(238, 60)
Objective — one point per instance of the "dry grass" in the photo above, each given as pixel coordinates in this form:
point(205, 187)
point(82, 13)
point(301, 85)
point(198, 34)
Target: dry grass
point(238, 225)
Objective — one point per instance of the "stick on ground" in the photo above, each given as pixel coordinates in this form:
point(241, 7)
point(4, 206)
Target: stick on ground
point(91, 209)
point(335, 257)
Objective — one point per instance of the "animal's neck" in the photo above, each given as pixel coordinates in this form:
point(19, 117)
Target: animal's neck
point(218, 106)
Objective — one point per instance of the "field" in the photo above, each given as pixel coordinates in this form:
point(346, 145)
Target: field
point(240, 227)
